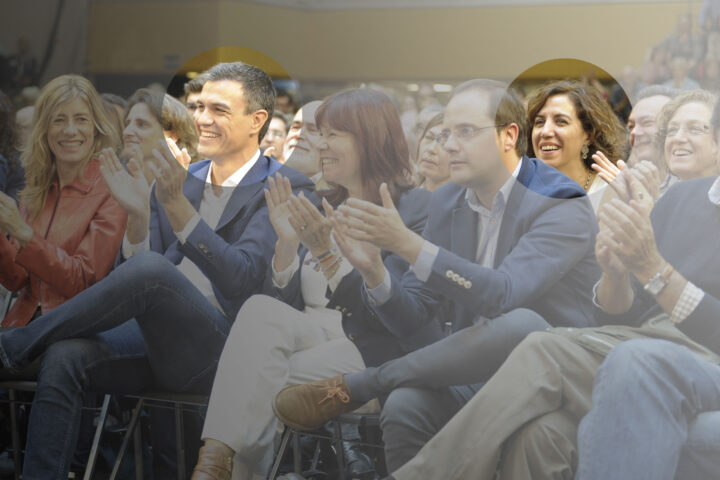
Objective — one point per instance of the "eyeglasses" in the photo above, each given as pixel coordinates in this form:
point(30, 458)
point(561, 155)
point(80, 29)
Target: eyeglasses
point(464, 132)
point(691, 130)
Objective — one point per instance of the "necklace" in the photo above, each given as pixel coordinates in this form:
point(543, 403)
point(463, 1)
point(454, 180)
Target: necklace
point(587, 181)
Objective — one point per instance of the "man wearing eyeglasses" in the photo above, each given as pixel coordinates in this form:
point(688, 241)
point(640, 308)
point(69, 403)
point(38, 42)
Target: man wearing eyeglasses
point(507, 250)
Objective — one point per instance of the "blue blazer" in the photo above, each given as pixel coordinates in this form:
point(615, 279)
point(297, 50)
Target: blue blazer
point(375, 342)
point(544, 260)
point(235, 255)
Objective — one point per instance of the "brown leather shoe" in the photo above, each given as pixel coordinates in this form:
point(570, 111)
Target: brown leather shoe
point(213, 464)
point(309, 406)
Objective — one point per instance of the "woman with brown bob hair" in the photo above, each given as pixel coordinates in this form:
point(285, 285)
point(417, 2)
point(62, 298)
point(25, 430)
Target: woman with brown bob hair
point(316, 324)
point(368, 117)
point(67, 230)
point(570, 121)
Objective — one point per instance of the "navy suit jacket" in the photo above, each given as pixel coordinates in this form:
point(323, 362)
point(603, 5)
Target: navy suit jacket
point(235, 255)
point(544, 260)
point(376, 344)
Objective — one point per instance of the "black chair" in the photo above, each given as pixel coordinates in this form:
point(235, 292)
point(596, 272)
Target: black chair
point(176, 401)
point(25, 382)
point(365, 423)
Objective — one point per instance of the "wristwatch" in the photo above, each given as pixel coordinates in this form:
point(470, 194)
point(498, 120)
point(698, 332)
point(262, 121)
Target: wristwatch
point(659, 281)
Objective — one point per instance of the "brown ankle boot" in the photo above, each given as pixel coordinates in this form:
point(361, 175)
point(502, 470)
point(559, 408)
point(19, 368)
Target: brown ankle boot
point(213, 464)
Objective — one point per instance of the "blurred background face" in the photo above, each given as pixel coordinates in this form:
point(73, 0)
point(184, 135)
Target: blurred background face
point(23, 119)
point(558, 134)
point(300, 149)
point(141, 134)
point(275, 137)
point(71, 132)
point(432, 162)
point(191, 103)
point(643, 129)
point(690, 149)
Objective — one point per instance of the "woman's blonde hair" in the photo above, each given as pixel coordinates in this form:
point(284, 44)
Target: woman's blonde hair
point(37, 158)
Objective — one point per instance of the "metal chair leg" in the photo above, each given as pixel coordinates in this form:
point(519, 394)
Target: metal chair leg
point(96, 439)
point(138, 447)
point(297, 454)
point(339, 452)
point(126, 439)
point(15, 435)
point(281, 451)
point(180, 440)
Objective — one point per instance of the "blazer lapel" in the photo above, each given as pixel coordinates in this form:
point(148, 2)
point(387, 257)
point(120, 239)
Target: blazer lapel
point(195, 186)
point(512, 210)
point(251, 183)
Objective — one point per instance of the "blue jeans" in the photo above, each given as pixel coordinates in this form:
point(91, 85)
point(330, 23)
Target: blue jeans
point(91, 342)
point(647, 417)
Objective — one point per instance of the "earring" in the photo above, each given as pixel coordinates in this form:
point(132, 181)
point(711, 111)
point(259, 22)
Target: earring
point(584, 151)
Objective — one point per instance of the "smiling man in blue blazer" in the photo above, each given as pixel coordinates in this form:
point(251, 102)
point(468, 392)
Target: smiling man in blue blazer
point(198, 247)
point(508, 249)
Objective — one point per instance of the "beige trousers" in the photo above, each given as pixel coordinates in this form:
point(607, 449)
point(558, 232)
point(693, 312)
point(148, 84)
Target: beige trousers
point(270, 345)
point(546, 382)
point(544, 448)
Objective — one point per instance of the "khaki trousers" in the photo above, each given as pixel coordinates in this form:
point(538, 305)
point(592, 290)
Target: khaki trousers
point(271, 345)
point(545, 375)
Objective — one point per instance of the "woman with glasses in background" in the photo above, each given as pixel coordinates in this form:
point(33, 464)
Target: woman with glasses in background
point(432, 166)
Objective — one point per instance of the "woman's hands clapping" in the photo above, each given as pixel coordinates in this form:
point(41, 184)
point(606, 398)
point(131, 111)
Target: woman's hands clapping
point(11, 221)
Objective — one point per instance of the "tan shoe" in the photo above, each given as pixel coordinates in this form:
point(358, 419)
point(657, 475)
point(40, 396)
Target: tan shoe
point(213, 464)
point(309, 406)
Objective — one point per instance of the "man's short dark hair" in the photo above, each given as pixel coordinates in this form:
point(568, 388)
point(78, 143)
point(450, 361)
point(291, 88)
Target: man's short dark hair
point(505, 104)
point(195, 85)
point(257, 86)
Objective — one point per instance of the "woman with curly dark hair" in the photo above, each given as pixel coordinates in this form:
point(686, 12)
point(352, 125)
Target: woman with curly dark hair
point(12, 178)
point(570, 121)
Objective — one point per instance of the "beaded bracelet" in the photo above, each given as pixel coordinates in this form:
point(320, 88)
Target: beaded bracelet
point(332, 269)
point(325, 256)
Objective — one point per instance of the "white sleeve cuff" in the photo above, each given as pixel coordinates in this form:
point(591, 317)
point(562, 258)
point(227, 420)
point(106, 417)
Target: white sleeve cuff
point(423, 265)
point(282, 279)
point(189, 227)
point(690, 298)
point(344, 268)
point(130, 249)
point(380, 294)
